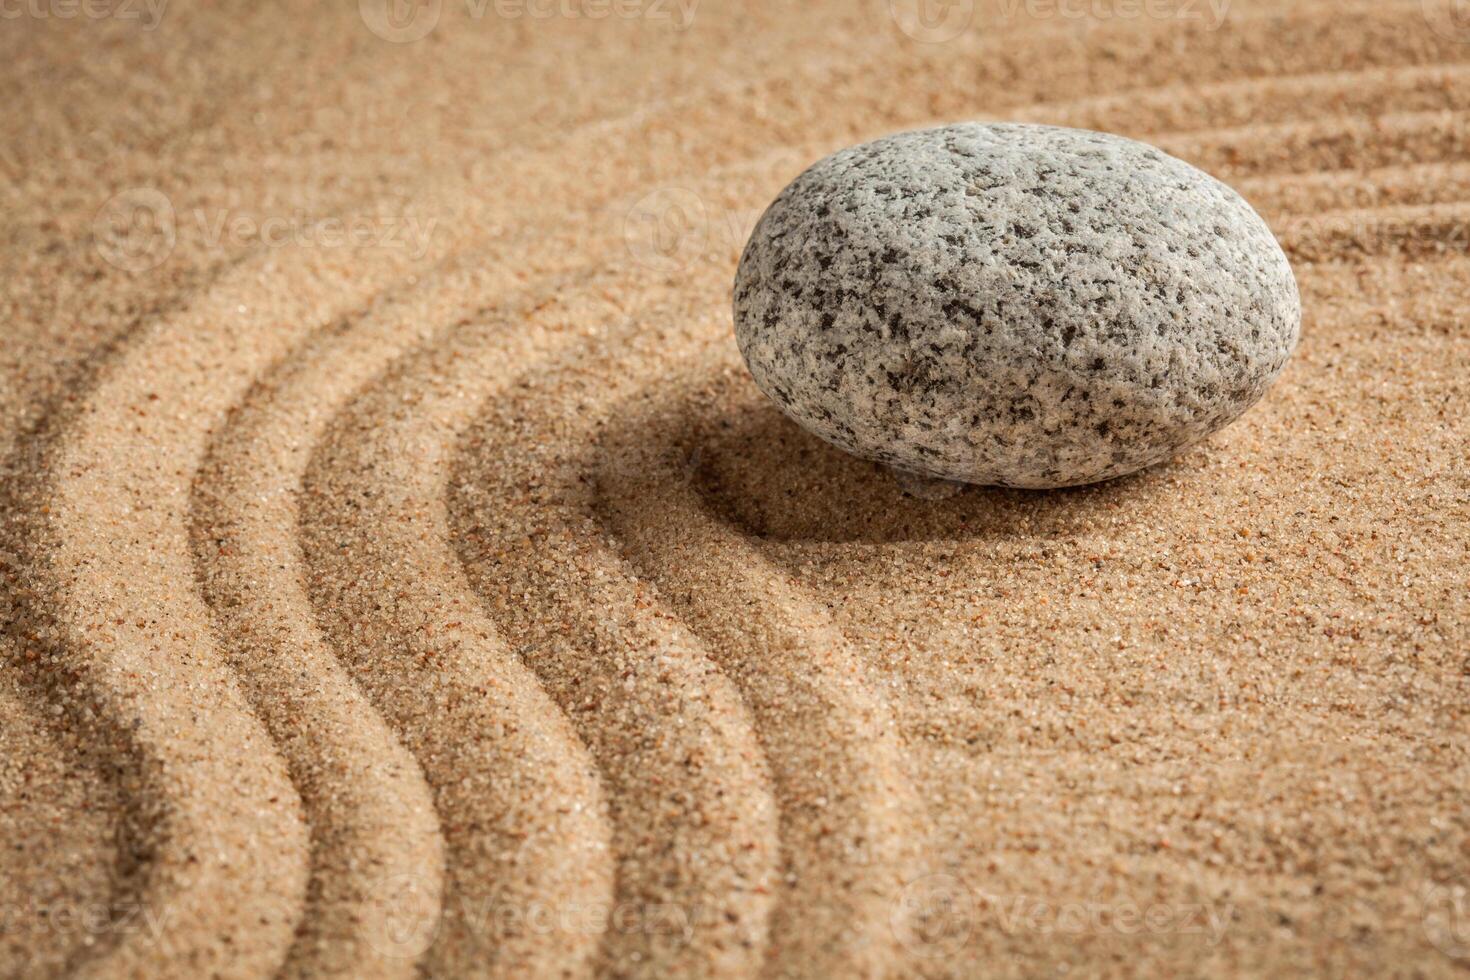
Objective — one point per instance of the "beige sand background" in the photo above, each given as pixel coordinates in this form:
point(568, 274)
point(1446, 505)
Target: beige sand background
point(429, 591)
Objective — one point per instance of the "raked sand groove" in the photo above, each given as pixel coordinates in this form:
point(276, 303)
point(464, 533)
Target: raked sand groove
point(444, 385)
point(1268, 101)
point(466, 613)
point(247, 513)
point(379, 851)
point(371, 814)
point(363, 790)
point(667, 727)
point(115, 581)
point(519, 801)
point(852, 823)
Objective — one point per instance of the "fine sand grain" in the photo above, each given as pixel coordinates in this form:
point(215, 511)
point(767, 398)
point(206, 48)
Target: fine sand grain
point(431, 592)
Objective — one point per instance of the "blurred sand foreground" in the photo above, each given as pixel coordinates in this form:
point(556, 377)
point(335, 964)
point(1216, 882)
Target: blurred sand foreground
point(400, 575)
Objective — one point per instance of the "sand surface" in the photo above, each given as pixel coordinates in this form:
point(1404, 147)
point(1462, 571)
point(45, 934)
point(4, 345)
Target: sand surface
point(401, 576)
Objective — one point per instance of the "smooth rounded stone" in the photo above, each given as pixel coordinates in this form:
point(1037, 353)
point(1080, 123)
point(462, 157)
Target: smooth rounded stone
point(1014, 305)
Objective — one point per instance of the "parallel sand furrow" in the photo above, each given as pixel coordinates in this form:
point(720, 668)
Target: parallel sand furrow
point(508, 531)
point(249, 513)
point(221, 821)
point(689, 785)
point(1407, 231)
point(1427, 295)
point(376, 849)
point(80, 533)
point(1267, 101)
point(519, 800)
point(852, 827)
point(50, 705)
point(55, 786)
point(372, 484)
point(528, 534)
point(1395, 139)
point(232, 315)
point(723, 922)
point(995, 73)
point(1427, 183)
point(244, 506)
point(960, 84)
point(244, 510)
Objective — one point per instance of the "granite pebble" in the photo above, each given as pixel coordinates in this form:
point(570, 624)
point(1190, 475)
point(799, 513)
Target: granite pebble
point(1013, 305)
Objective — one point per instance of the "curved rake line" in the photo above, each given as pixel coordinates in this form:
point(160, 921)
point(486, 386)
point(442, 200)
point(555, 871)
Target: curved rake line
point(816, 710)
point(721, 843)
point(369, 809)
point(114, 555)
point(522, 810)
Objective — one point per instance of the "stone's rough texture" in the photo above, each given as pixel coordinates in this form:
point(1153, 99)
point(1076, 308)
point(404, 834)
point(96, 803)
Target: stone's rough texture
point(1016, 305)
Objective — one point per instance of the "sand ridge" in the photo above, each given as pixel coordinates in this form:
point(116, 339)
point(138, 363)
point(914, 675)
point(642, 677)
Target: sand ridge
point(465, 611)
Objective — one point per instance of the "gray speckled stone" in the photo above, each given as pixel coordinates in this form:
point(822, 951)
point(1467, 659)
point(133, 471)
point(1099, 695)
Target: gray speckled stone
point(1016, 305)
